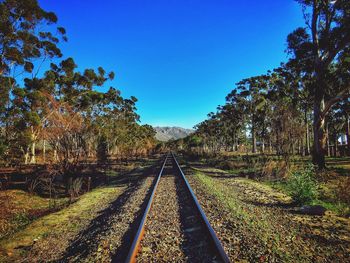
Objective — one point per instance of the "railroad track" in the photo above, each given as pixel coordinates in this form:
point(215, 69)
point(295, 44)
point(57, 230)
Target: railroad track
point(174, 227)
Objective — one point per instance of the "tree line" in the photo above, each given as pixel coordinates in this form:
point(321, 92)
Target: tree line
point(301, 107)
point(59, 112)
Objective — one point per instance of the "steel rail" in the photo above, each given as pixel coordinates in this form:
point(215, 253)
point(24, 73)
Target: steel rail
point(140, 232)
point(215, 239)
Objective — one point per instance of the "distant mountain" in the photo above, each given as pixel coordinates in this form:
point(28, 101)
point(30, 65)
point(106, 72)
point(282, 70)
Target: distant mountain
point(167, 133)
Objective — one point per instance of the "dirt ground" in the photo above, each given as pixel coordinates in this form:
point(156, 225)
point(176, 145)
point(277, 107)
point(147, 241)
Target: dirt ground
point(255, 222)
point(92, 228)
point(263, 224)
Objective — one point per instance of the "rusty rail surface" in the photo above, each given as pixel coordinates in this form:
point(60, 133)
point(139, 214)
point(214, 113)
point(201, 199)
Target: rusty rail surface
point(140, 232)
point(218, 246)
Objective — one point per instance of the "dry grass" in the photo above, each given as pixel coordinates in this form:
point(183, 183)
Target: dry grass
point(68, 220)
point(289, 236)
point(18, 208)
point(275, 168)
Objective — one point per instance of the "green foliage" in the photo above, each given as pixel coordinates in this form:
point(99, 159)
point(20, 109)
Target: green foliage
point(102, 149)
point(273, 112)
point(340, 208)
point(21, 219)
point(195, 141)
point(302, 185)
point(3, 146)
point(21, 43)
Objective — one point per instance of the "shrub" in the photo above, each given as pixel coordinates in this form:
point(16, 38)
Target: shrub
point(302, 185)
point(33, 184)
point(21, 219)
point(102, 149)
point(269, 169)
point(75, 187)
point(227, 165)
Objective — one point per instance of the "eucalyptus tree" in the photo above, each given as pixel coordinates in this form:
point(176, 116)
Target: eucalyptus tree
point(321, 44)
point(21, 38)
point(143, 139)
point(336, 128)
point(303, 96)
point(234, 122)
point(28, 112)
point(26, 38)
point(76, 93)
point(207, 130)
point(210, 129)
point(345, 109)
point(312, 82)
point(249, 96)
point(195, 141)
point(286, 114)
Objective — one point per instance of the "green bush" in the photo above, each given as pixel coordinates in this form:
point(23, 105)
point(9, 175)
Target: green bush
point(102, 149)
point(21, 219)
point(302, 185)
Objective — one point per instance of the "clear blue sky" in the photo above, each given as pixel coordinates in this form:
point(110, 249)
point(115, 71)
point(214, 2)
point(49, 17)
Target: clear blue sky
point(180, 58)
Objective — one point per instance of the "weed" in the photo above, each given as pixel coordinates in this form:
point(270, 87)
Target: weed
point(260, 225)
point(112, 173)
point(21, 219)
point(33, 184)
point(302, 185)
point(75, 187)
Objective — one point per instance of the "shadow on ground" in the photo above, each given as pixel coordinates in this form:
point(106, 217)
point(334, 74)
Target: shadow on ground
point(196, 245)
point(122, 252)
point(87, 240)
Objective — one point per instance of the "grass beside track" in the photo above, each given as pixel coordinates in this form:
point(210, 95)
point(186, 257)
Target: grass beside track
point(51, 233)
point(332, 184)
point(68, 220)
point(326, 196)
point(19, 208)
point(268, 214)
point(257, 223)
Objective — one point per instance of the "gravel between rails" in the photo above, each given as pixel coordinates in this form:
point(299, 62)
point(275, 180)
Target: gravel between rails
point(173, 231)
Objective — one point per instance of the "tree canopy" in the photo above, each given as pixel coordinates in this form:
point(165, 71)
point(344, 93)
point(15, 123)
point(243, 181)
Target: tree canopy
point(274, 111)
point(58, 111)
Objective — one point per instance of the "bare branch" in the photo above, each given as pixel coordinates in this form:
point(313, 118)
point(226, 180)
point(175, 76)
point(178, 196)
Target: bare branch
point(339, 97)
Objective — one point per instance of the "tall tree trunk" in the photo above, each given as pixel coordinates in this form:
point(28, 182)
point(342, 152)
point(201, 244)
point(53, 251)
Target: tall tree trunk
point(307, 136)
point(347, 135)
point(310, 140)
point(278, 142)
point(44, 151)
point(335, 144)
point(55, 153)
point(328, 142)
point(26, 157)
point(318, 156)
point(33, 146)
point(233, 141)
point(253, 139)
point(32, 158)
point(263, 145)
